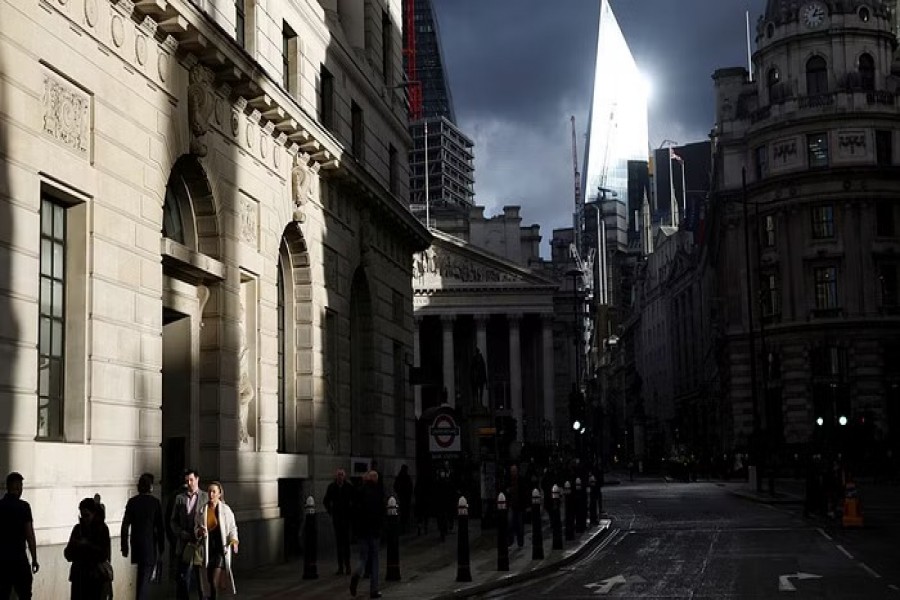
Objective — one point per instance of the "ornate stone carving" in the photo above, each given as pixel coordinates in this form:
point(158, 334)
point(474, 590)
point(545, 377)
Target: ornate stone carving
point(235, 123)
point(140, 49)
point(90, 12)
point(851, 141)
point(162, 66)
point(200, 106)
point(67, 115)
point(246, 387)
point(439, 264)
point(304, 179)
point(249, 220)
point(784, 150)
point(118, 30)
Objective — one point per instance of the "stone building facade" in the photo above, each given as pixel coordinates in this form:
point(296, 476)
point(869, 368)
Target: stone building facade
point(204, 255)
point(816, 135)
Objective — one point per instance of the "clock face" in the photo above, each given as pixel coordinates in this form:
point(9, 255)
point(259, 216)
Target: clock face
point(812, 15)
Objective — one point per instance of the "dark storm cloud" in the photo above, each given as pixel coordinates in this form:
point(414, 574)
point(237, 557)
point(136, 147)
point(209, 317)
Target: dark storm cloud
point(519, 68)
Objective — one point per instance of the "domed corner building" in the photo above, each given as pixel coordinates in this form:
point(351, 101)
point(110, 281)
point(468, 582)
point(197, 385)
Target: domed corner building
point(806, 252)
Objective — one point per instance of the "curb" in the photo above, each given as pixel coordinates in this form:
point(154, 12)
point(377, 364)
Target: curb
point(765, 500)
point(518, 578)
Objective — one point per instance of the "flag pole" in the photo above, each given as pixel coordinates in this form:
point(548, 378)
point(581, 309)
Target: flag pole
point(749, 59)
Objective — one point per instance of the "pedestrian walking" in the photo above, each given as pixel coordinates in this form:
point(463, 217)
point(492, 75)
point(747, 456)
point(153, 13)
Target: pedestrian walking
point(339, 504)
point(17, 526)
point(217, 535)
point(90, 552)
point(516, 504)
point(184, 515)
point(370, 510)
point(403, 488)
point(143, 534)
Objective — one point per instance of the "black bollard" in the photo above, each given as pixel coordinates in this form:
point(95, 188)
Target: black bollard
point(537, 537)
point(392, 530)
point(555, 520)
point(310, 539)
point(592, 502)
point(570, 512)
point(579, 507)
point(463, 570)
point(502, 533)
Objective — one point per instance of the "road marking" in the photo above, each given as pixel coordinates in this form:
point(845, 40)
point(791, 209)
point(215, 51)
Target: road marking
point(784, 581)
point(844, 551)
point(606, 585)
point(825, 535)
point(894, 587)
point(869, 570)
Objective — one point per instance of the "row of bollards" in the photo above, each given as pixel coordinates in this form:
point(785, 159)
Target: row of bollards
point(581, 506)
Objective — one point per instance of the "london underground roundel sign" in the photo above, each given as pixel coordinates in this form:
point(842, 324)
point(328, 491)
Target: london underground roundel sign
point(443, 435)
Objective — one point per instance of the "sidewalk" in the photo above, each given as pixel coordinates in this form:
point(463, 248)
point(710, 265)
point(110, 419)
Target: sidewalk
point(427, 568)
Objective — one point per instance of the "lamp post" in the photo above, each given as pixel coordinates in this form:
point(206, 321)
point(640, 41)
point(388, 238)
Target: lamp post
point(575, 274)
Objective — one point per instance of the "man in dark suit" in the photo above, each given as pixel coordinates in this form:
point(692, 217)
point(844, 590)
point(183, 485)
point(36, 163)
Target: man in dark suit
point(143, 516)
point(339, 504)
point(184, 512)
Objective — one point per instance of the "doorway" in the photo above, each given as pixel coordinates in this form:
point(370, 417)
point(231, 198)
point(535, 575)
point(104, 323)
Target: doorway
point(176, 398)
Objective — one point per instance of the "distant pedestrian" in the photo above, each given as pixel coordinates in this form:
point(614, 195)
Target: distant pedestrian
point(516, 491)
point(403, 487)
point(144, 521)
point(217, 535)
point(184, 513)
point(339, 504)
point(90, 553)
point(370, 510)
point(17, 526)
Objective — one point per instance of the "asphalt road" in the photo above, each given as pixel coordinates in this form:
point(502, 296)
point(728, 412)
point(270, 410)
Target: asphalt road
point(697, 540)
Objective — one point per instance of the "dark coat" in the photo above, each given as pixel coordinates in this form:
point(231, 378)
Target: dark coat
point(143, 516)
point(182, 522)
point(88, 546)
point(370, 511)
point(339, 500)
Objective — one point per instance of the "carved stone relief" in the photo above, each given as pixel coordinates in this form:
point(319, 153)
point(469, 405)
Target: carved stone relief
point(784, 151)
point(140, 49)
point(852, 143)
point(118, 31)
point(90, 12)
point(67, 115)
point(246, 384)
point(249, 220)
point(200, 106)
point(441, 265)
point(304, 183)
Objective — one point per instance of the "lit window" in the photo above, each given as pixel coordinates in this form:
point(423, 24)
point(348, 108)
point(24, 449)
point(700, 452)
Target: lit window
point(817, 150)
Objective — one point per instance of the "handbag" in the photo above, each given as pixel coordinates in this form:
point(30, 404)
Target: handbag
point(105, 571)
point(187, 554)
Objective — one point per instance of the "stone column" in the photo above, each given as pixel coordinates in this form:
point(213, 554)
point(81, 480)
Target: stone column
point(417, 363)
point(481, 341)
point(515, 373)
point(548, 371)
point(449, 370)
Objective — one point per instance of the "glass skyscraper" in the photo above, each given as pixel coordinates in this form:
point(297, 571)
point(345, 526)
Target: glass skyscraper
point(617, 127)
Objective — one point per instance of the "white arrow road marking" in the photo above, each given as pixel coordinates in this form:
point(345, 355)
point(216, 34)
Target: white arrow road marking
point(785, 585)
point(606, 585)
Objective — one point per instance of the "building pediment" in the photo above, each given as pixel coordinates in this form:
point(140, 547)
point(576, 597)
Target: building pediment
point(451, 263)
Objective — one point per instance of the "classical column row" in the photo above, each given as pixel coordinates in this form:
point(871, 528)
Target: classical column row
point(515, 363)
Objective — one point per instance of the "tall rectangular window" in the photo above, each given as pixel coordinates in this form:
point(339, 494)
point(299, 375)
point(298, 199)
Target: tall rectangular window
point(826, 288)
point(387, 48)
point(326, 98)
point(393, 169)
point(240, 23)
point(823, 222)
point(884, 147)
point(887, 277)
point(52, 321)
point(282, 378)
point(817, 150)
point(761, 162)
point(884, 219)
point(288, 56)
point(769, 232)
point(770, 294)
point(357, 131)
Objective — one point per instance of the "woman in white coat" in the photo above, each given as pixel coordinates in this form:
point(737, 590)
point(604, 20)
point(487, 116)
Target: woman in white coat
point(218, 535)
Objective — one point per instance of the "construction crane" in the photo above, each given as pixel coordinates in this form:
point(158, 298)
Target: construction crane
point(579, 199)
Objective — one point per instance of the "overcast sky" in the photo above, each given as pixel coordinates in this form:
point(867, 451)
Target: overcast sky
point(519, 68)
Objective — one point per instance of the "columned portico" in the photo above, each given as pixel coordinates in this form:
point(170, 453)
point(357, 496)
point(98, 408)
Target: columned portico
point(547, 363)
point(515, 372)
point(449, 370)
point(481, 342)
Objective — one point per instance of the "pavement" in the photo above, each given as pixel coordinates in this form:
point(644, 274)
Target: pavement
point(428, 568)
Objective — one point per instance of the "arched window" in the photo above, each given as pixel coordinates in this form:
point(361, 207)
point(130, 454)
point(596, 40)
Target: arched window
point(173, 225)
point(816, 76)
point(867, 72)
point(282, 370)
point(772, 79)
